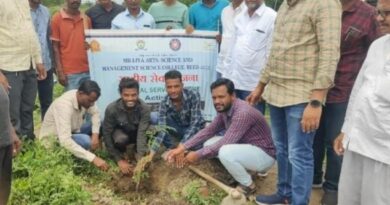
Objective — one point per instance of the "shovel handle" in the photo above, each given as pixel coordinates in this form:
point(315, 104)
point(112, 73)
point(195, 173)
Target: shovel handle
point(209, 178)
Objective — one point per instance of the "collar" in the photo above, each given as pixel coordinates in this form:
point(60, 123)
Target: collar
point(75, 103)
point(114, 5)
point(239, 8)
point(292, 3)
point(215, 3)
point(261, 10)
point(39, 8)
point(229, 113)
point(353, 7)
point(65, 15)
point(141, 13)
point(183, 100)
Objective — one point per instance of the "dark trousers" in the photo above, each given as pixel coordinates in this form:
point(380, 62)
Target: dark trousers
point(45, 92)
point(122, 139)
point(22, 96)
point(5, 173)
point(332, 120)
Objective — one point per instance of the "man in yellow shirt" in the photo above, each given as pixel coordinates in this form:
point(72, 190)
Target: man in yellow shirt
point(20, 63)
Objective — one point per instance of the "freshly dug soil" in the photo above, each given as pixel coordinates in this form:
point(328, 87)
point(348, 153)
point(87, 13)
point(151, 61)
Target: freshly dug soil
point(164, 186)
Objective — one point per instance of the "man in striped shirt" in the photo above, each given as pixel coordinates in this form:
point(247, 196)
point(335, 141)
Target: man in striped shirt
point(246, 144)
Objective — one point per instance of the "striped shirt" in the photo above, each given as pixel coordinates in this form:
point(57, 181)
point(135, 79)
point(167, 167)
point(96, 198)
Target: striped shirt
point(243, 124)
point(305, 51)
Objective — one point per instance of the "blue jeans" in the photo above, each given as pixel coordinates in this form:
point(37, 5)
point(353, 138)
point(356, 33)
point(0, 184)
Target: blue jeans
point(75, 80)
point(238, 158)
point(242, 94)
point(174, 136)
point(330, 127)
point(294, 153)
point(83, 138)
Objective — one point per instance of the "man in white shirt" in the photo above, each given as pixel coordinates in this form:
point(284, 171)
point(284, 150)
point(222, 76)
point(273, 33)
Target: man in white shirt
point(64, 119)
point(228, 15)
point(250, 47)
point(365, 136)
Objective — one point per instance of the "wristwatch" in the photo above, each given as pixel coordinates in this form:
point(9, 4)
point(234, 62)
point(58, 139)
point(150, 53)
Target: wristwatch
point(315, 103)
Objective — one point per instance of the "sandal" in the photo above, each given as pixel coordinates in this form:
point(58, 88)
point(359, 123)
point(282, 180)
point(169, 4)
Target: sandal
point(246, 190)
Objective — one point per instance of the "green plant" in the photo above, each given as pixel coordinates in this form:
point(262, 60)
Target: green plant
point(45, 176)
point(192, 194)
point(139, 173)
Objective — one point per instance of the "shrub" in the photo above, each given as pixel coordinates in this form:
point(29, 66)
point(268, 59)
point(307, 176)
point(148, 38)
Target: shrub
point(45, 176)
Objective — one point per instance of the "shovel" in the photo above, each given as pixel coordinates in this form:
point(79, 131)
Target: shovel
point(234, 197)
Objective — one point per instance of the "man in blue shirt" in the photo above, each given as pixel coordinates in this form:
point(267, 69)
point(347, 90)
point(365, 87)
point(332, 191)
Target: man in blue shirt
point(180, 110)
point(206, 14)
point(41, 18)
point(133, 18)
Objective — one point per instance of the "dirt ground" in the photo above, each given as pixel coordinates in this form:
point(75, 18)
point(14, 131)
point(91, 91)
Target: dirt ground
point(165, 185)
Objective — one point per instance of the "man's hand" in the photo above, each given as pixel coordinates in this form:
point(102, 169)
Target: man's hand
point(4, 82)
point(62, 79)
point(311, 118)
point(17, 144)
point(86, 45)
point(189, 29)
point(42, 74)
point(95, 141)
point(125, 167)
point(176, 156)
point(255, 95)
point(100, 163)
point(191, 158)
point(338, 144)
point(218, 38)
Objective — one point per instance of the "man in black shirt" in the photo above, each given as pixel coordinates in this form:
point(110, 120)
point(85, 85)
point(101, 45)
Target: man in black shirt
point(103, 12)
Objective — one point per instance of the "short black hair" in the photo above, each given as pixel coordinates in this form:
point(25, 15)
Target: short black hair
point(172, 74)
point(88, 87)
point(223, 81)
point(127, 82)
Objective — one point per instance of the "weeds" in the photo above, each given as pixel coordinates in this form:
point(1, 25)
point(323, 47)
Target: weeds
point(193, 195)
point(43, 176)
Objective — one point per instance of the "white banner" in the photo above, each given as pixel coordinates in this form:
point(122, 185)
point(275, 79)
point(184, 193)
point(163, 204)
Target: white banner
point(146, 56)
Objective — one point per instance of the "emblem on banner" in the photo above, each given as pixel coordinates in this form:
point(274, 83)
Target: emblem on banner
point(140, 45)
point(175, 44)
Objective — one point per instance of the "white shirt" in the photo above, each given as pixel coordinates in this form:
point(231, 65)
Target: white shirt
point(367, 122)
point(251, 47)
point(63, 118)
point(227, 18)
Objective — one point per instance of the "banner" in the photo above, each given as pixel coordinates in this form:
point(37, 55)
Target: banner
point(146, 56)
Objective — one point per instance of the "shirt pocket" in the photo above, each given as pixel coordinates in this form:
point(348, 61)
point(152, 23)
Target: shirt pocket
point(257, 39)
point(351, 36)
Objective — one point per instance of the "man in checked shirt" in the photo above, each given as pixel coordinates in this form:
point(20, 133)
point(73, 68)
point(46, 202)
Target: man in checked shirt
point(299, 72)
point(246, 144)
point(180, 110)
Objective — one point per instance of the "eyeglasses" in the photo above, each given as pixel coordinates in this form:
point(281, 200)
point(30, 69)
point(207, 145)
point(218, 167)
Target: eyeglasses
point(383, 13)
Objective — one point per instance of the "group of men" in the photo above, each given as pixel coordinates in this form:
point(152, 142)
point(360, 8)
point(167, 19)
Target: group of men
point(309, 57)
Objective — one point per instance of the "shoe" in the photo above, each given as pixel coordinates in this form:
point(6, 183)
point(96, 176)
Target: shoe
point(246, 190)
point(274, 199)
point(262, 174)
point(329, 198)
